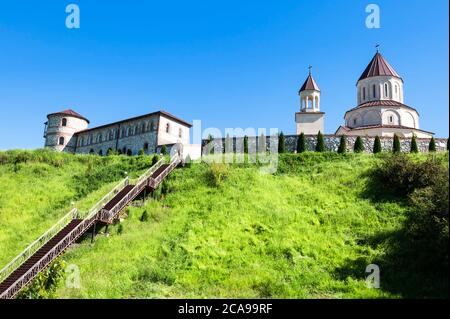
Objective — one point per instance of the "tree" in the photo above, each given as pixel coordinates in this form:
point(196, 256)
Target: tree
point(281, 143)
point(414, 147)
point(359, 146)
point(320, 146)
point(396, 146)
point(432, 145)
point(342, 145)
point(155, 159)
point(164, 150)
point(246, 144)
point(377, 145)
point(301, 143)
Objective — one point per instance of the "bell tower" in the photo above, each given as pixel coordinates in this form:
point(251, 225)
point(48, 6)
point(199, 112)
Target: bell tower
point(310, 120)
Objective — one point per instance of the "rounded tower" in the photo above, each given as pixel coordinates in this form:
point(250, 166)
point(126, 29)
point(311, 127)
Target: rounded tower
point(60, 130)
point(310, 120)
point(379, 82)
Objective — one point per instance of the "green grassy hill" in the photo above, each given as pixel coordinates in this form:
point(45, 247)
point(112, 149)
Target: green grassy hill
point(308, 231)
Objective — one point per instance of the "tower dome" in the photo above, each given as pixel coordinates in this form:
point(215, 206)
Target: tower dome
point(379, 81)
point(61, 127)
point(309, 95)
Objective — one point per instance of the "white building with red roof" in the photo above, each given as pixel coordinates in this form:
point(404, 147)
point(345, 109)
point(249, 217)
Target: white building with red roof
point(380, 108)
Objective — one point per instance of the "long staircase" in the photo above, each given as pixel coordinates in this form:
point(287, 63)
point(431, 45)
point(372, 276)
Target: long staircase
point(36, 257)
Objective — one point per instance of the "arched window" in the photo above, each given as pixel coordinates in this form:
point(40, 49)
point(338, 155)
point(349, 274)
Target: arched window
point(91, 139)
point(391, 119)
point(61, 140)
point(99, 138)
point(364, 93)
point(167, 128)
point(124, 150)
point(143, 127)
point(386, 90)
point(180, 133)
point(374, 91)
point(91, 151)
point(64, 122)
point(100, 153)
point(145, 146)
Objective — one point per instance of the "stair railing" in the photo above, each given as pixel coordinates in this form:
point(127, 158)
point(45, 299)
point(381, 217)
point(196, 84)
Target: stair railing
point(174, 161)
point(37, 244)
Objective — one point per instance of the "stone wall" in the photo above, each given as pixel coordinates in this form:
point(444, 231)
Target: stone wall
point(331, 143)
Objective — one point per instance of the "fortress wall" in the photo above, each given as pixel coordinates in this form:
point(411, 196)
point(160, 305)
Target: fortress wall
point(331, 143)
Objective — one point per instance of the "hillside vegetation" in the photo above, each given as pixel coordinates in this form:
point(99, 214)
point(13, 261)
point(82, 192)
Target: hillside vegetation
point(37, 188)
point(226, 231)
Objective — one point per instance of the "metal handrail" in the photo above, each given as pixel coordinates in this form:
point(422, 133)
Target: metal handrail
point(37, 244)
point(102, 202)
point(150, 171)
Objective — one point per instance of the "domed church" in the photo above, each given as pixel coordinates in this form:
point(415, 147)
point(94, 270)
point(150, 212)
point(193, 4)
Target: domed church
point(380, 108)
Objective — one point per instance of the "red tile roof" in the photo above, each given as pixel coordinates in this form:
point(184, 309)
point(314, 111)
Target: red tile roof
point(382, 103)
point(381, 126)
point(69, 112)
point(378, 66)
point(309, 84)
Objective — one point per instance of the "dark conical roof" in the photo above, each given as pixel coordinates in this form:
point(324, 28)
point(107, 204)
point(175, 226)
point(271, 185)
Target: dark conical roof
point(309, 84)
point(378, 66)
point(70, 112)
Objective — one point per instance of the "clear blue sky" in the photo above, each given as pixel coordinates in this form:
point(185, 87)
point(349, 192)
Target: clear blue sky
point(229, 63)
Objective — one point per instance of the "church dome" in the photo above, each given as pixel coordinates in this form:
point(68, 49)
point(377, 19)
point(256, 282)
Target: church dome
point(378, 66)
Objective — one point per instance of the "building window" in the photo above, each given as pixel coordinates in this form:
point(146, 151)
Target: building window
point(364, 93)
point(167, 128)
point(146, 147)
point(386, 90)
point(152, 126)
point(374, 89)
point(180, 133)
point(100, 153)
point(61, 141)
point(91, 139)
point(64, 122)
point(354, 121)
point(391, 119)
point(99, 138)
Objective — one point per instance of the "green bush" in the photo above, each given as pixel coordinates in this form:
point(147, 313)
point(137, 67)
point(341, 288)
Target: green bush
point(120, 229)
point(281, 144)
point(359, 146)
point(164, 150)
point(217, 173)
point(342, 145)
point(45, 284)
point(141, 152)
point(144, 216)
point(399, 175)
point(396, 144)
point(432, 145)
point(155, 159)
point(414, 147)
point(320, 145)
point(377, 145)
point(301, 143)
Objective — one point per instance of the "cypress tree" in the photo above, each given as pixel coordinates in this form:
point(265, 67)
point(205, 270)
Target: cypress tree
point(301, 143)
point(358, 147)
point(281, 143)
point(396, 146)
point(414, 147)
point(246, 144)
point(164, 150)
point(432, 145)
point(377, 145)
point(320, 146)
point(342, 145)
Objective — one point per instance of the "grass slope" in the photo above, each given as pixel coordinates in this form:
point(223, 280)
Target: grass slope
point(37, 188)
point(301, 233)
